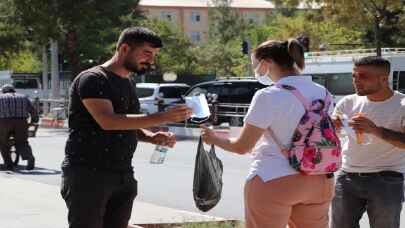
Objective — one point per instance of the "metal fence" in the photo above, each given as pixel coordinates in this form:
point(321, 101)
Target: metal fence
point(53, 108)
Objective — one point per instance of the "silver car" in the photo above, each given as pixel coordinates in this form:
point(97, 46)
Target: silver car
point(152, 94)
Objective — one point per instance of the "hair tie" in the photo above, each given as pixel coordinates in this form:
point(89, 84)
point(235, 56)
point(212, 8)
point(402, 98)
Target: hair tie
point(285, 44)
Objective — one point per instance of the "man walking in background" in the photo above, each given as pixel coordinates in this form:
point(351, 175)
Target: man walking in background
point(15, 109)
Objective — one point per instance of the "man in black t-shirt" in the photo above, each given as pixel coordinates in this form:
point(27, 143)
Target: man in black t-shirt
point(104, 126)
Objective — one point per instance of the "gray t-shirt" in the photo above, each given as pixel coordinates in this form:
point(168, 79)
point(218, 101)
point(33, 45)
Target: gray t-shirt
point(379, 155)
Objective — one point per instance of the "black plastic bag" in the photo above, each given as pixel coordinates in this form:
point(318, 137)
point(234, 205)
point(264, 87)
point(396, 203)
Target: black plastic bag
point(207, 184)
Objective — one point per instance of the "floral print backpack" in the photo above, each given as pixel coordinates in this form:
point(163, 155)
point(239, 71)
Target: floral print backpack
point(315, 148)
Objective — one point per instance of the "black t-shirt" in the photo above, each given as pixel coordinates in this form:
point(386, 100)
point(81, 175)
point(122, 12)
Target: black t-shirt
point(88, 145)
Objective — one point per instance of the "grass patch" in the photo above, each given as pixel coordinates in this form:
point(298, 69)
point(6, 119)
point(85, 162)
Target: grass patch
point(221, 224)
point(226, 224)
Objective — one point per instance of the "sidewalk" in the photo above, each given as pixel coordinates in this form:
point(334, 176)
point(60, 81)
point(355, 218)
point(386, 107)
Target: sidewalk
point(26, 203)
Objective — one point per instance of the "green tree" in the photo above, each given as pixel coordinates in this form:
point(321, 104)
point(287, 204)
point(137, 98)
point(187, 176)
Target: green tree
point(226, 32)
point(11, 34)
point(16, 51)
point(83, 28)
point(25, 61)
point(84, 24)
point(379, 20)
point(176, 55)
point(379, 16)
point(320, 30)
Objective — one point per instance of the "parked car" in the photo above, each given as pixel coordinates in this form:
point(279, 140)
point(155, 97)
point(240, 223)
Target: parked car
point(152, 94)
point(233, 97)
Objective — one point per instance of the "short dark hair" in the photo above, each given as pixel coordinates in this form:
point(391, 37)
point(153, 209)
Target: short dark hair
point(376, 61)
point(135, 36)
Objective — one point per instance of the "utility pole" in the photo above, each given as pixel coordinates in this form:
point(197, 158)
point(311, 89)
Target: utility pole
point(45, 71)
point(54, 70)
point(246, 50)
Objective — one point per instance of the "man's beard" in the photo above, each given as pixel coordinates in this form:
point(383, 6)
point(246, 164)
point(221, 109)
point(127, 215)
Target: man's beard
point(134, 68)
point(365, 92)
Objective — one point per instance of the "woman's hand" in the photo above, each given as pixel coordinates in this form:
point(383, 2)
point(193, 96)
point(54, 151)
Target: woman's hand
point(208, 136)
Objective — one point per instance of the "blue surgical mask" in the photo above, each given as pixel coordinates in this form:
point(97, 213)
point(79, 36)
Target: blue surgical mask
point(262, 78)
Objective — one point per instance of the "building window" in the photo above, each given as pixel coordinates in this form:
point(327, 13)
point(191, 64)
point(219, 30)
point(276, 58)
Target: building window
point(195, 36)
point(252, 17)
point(195, 17)
point(168, 16)
point(398, 82)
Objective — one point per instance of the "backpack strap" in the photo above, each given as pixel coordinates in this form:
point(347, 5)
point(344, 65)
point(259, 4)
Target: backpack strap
point(297, 94)
point(328, 100)
point(305, 103)
point(283, 149)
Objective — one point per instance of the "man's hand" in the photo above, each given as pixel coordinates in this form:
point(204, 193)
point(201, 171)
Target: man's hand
point(361, 123)
point(337, 122)
point(164, 139)
point(177, 114)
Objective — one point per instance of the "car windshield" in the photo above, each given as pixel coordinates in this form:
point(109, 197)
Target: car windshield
point(197, 91)
point(173, 92)
point(144, 92)
point(337, 84)
point(26, 84)
point(229, 92)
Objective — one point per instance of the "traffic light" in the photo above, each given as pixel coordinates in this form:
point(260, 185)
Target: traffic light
point(245, 47)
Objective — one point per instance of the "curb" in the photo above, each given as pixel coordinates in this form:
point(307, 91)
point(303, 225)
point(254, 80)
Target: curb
point(52, 123)
point(233, 223)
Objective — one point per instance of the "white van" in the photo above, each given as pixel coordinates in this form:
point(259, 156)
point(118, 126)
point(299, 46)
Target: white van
point(333, 69)
point(150, 94)
point(24, 83)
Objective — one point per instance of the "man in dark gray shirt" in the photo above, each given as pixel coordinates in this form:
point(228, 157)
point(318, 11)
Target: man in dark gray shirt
point(15, 109)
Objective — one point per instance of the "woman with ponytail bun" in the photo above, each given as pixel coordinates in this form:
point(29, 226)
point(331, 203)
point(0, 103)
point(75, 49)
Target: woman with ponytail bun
point(296, 51)
point(275, 193)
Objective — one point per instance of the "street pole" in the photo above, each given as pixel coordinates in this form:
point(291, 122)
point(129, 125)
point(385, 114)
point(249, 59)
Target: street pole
point(248, 52)
point(54, 71)
point(45, 72)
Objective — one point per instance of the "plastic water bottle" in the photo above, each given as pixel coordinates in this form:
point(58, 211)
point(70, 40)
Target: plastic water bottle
point(159, 154)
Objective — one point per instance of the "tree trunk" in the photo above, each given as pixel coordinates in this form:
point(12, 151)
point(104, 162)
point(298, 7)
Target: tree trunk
point(71, 49)
point(377, 36)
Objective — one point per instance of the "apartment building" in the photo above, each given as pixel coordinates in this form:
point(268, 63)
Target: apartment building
point(192, 15)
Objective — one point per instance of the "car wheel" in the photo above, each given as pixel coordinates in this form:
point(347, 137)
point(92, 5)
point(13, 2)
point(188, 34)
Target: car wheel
point(235, 121)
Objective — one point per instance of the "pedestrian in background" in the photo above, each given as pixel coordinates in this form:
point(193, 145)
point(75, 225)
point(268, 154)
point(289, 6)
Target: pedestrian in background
point(371, 178)
point(15, 109)
point(275, 193)
point(105, 125)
